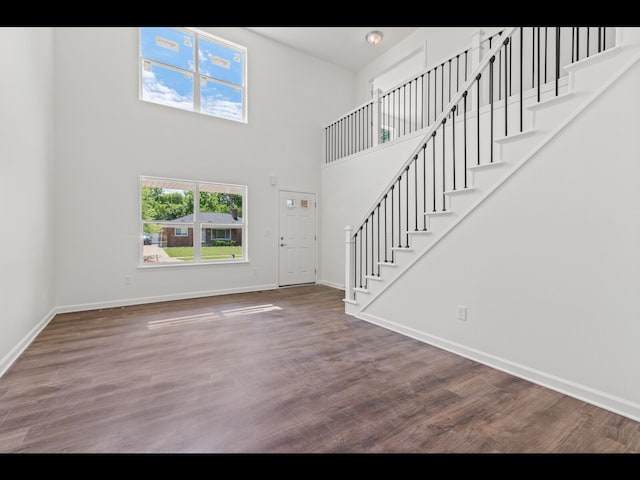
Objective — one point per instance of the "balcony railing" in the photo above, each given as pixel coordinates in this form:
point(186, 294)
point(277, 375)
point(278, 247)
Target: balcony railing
point(414, 104)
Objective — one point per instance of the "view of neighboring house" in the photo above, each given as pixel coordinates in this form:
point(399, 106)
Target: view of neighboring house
point(224, 227)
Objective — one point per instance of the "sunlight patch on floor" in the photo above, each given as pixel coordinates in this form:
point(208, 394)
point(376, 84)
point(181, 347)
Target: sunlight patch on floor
point(211, 316)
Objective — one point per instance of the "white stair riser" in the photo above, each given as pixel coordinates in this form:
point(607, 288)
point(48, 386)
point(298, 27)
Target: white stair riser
point(483, 177)
point(546, 119)
point(437, 222)
point(460, 202)
point(418, 242)
point(374, 287)
point(513, 152)
point(593, 74)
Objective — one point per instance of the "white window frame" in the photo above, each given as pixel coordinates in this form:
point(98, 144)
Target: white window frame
point(197, 224)
point(197, 33)
point(176, 234)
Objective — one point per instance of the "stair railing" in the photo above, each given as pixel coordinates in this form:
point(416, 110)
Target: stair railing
point(438, 165)
point(407, 107)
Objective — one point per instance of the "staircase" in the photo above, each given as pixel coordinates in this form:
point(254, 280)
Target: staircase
point(492, 126)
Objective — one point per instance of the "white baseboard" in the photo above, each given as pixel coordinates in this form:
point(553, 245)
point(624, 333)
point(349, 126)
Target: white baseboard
point(338, 286)
point(161, 298)
point(595, 397)
point(16, 351)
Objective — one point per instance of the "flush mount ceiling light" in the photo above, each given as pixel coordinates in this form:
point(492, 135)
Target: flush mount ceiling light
point(374, 37)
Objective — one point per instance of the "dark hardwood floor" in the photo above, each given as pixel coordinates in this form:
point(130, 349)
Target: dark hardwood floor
point(276, 371)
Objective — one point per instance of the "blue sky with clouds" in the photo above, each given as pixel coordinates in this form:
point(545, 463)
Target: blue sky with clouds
point(170, 86)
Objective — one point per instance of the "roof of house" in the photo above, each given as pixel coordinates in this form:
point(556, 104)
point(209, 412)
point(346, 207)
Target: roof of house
point(211, 217)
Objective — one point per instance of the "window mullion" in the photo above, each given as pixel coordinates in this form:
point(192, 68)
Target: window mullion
point(196, 78)
point(197, 225)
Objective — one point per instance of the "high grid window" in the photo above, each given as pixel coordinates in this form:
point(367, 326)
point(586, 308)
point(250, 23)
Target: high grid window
point(189, 69)
point(175, 212)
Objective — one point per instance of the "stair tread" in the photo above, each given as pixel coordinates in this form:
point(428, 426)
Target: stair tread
point(402, 249)
point(593, 58)
point(550, 101)
point(448, 212)
point(418, 232)
point(362, 290)
point(483, 166)
point(459, 190)
point(513, 137)
point(388, 264)
point(373, 277)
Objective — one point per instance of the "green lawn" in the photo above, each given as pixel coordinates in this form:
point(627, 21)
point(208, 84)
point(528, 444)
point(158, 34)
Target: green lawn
point(208, 253)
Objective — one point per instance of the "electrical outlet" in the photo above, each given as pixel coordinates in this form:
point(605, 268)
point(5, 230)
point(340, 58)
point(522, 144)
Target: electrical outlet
point(462, 313)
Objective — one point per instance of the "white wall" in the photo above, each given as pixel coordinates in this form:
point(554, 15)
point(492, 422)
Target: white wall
point(441, 43)
point(26, 189)
point(107, 138)
point(548, 265)
point(401, 72)
point(348, 188)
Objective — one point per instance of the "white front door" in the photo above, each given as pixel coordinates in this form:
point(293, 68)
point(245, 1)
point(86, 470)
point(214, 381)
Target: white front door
point(297, 238)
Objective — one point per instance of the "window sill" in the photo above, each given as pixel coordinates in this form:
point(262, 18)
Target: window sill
point(190, 264)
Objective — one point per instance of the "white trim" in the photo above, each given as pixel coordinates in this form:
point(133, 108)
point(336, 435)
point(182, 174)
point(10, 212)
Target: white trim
point(581, 392)
point(22, 345)
point(81, 307)
point(189, 264)
point(337, 286)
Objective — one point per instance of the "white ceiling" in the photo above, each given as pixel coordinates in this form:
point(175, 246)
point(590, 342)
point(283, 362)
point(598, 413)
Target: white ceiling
point(343, 46)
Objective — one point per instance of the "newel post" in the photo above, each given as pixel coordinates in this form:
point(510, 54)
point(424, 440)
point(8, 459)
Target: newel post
point(476, 57)
point(348, 252)
point(375, 121)
point(476, 49)
point(325, 141)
